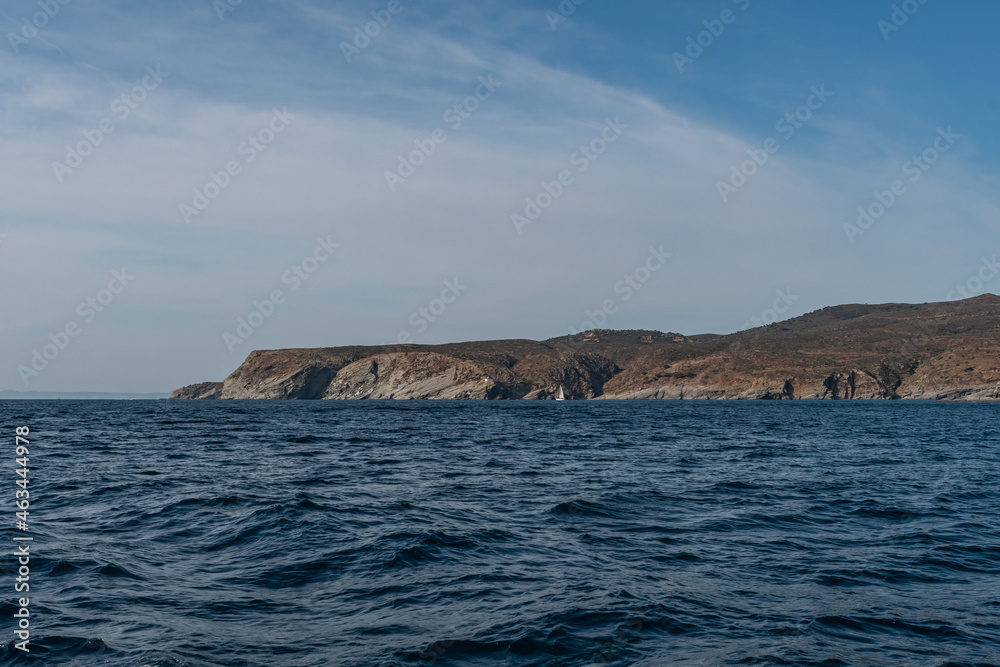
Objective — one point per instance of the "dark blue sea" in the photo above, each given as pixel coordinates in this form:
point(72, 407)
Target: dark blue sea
point(506, 534)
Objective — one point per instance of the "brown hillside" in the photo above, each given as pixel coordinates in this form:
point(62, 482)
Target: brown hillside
point(929, 351)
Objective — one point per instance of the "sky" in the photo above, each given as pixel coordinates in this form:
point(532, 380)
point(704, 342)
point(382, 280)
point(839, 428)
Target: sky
point(184, 182)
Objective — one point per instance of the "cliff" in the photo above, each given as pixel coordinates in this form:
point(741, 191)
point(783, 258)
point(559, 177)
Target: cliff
point(205, 390)
point(942, 351)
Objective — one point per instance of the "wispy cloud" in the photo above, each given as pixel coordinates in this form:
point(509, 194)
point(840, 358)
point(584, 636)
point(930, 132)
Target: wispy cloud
point(325, 175)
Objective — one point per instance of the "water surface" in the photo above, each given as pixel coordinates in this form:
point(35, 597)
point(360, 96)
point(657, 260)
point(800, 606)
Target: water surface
point(509, 534)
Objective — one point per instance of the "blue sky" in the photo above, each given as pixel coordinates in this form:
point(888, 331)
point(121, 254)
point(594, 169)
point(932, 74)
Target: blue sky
point(321, 176)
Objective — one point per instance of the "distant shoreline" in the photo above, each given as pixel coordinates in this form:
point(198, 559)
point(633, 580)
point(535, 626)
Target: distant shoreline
point(77, 396)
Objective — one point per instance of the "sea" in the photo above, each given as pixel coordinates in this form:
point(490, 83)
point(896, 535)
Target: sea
point(501, 534)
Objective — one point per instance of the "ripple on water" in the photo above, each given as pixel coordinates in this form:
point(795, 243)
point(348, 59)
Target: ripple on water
point(513, 534)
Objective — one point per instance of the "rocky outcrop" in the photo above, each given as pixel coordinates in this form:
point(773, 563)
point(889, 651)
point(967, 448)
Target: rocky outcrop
point(787, 393)
point(852, 385)
point(403, 376)
point(289, 374)
point(203, 391)
point(473, 371)
point(895, 351)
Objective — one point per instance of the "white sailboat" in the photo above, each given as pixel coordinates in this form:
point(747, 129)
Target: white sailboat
point(560, 396)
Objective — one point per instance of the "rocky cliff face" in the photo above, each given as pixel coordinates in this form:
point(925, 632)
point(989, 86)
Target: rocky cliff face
point(205, 390)
point(500, 370)
point(417, 376)
point(931, 351)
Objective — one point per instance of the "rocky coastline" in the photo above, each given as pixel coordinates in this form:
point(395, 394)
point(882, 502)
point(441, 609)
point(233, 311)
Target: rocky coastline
point(939, 351)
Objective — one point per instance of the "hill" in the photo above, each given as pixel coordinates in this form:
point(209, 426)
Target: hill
point(940, 351)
